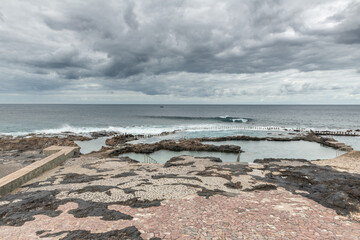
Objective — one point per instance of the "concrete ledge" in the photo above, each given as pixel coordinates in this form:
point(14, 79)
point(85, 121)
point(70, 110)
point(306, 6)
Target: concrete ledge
point(57, 155)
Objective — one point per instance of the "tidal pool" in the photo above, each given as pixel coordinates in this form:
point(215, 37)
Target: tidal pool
point(253, 150)
point(164, 155)
point(272, 149)
point(91, 145)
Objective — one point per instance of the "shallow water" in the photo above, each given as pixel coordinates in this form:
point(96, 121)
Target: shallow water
point(92, 145)
point(271, 149)
point(164, 155)
point(253, 150)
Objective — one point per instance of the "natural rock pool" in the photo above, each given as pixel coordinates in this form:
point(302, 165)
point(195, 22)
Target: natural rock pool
point(253, 150)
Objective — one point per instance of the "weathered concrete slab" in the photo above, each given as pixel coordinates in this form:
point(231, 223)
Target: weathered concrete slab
point(57, 155)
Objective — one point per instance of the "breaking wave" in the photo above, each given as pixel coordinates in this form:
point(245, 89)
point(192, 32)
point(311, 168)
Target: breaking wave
point(225, 118)
point(68, 129)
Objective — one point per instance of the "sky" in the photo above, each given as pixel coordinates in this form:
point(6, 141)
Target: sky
point(180, 52)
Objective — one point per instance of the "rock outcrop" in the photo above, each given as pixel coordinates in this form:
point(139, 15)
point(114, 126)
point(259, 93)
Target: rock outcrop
point(32, 143)
point(310, 137)
point(330, 142)
point(121, 139)
point(182, 145)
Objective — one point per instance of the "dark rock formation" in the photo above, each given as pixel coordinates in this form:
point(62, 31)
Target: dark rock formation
point(121, 139)
point(30, 204)
point(126, 233)
point(177, 161)
point(171, 145)
point(273, 160)
point(96, 209)
point(175, 176)
point(102, 134)
point(126, 159)
point(79, 178)
point(212, 159)
point(96, 188)
point(22, 144)
point(234, 185)
point(27, 206)
point(125, 174)
point(331, 188)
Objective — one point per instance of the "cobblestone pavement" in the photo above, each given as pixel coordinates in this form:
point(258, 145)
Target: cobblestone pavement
point(187, 198)
point(275, 214)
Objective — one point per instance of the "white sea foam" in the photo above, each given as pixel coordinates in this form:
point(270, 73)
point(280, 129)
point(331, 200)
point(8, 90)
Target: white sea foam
point(151, 130)
point(147, 130)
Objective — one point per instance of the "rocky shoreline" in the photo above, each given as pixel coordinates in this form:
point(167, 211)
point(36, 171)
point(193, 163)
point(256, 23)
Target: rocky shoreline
point(102, 189)
point(118, 144)
point(171, 145)
point(29, 147)
point(37, 142)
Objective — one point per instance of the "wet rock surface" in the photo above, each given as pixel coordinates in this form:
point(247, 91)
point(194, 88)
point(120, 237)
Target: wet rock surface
point(121, 139)
point(171, 145)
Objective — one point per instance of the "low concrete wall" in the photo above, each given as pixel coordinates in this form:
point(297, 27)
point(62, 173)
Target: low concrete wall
point(58, 155)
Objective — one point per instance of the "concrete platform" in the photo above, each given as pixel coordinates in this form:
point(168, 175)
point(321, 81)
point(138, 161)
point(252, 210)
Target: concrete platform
point(57, 155)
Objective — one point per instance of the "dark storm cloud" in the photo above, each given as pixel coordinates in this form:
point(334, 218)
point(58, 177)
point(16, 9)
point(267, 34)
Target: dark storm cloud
point(170, 41)
point(348, 31)
point(179, 48)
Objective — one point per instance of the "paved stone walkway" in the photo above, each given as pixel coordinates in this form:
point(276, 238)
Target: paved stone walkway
point(188, 198)
point(275, 214)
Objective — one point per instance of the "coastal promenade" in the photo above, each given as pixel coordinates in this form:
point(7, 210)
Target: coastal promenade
point(187, 198)
point(276, 214)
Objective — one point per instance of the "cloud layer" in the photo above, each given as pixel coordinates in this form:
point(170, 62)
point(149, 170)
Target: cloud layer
point(232, 51)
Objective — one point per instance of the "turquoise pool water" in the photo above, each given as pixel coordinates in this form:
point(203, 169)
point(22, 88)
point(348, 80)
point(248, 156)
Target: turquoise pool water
point(253, 150)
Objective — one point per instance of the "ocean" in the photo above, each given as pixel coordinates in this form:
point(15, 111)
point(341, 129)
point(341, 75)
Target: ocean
point(153, 119)
point(187, 120)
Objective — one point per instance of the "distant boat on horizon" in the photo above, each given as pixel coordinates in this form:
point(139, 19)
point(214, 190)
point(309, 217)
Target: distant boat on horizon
point(161, 106)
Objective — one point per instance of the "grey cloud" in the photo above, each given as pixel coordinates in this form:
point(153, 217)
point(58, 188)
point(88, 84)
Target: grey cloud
point(141, 45)
point(348, 31)
point(59, 60)
point(27, 84)
point(307, 88)
point(130, 16)
point(138, 46)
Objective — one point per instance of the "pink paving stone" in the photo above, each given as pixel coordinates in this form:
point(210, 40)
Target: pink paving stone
point(216, 217)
